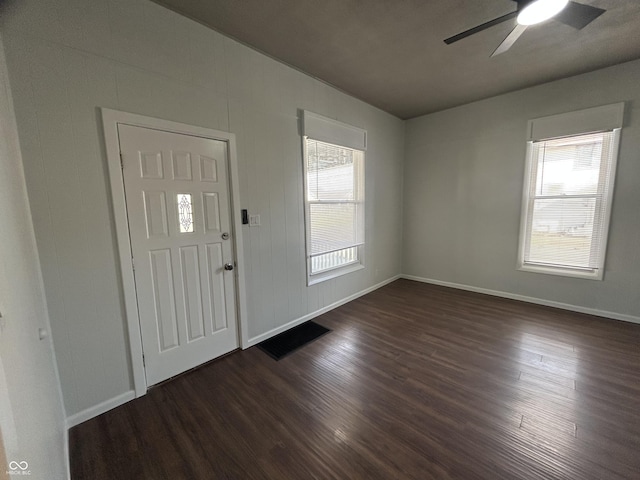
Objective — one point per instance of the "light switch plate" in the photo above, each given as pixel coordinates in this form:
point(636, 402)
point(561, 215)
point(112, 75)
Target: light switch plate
point(254, 220)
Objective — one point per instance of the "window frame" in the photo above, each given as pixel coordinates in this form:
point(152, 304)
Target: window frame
point(359, 264)
point(560, 123)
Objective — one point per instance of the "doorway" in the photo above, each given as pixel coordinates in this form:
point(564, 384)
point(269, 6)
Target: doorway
point(175, 199)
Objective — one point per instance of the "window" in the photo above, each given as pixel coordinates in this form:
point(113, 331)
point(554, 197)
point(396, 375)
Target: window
point(334, 198)
point(185, 213)
point(567, 201)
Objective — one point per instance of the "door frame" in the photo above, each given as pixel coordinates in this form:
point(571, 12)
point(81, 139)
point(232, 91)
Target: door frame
point(110, 121)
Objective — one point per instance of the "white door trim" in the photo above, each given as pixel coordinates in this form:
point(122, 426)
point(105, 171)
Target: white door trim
point(110, 121)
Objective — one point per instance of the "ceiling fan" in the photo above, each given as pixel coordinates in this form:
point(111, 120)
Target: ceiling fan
point(531, 12)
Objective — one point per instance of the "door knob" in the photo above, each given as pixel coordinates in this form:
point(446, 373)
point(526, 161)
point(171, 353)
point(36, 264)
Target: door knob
point(228, 266)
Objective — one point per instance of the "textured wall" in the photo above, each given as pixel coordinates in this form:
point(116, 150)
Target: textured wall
point(68, 57)
point(463, 188)
point(31, 412)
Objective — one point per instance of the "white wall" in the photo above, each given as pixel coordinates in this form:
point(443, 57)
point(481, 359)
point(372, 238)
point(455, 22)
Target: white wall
point(31, 412)
point(463, 187)
point(68, 57)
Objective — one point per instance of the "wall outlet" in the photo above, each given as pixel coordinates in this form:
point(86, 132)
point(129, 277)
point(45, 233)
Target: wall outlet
point(254, 220)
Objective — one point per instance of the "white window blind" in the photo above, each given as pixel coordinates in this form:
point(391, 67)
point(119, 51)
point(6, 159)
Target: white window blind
point(335, 207)
point(567, 203)
point(334, 196)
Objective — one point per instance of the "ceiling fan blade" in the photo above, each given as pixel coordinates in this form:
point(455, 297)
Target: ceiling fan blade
point(479, 28)
point(578, 15)
point(510, 40)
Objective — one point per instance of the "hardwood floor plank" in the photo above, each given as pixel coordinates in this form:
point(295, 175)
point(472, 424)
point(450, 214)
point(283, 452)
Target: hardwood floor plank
point(414, 381)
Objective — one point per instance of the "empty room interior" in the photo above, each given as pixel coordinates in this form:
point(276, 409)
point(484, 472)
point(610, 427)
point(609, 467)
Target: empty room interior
point(294, 239)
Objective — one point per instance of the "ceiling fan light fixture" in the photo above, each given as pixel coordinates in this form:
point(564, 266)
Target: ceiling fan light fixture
point(540, 10)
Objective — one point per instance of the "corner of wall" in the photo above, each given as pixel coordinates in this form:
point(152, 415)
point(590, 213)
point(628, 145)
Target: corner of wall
point(33, 424)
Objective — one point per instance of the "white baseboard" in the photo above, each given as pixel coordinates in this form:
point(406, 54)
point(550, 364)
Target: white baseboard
point(254, 340)
point(99, 409)
point(538, 301)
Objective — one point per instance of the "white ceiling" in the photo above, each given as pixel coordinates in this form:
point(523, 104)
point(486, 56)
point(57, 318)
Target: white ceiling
point(391, 54)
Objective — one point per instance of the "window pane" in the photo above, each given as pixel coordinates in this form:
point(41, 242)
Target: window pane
point(328, 261)
point(185, 213)
point(562, 232)
point(333, 226)
point(566, 201)
point(569, 166)
point(334, 207)
point(330, 172)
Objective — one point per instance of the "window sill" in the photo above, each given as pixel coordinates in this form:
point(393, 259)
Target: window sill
point(337, 272)
point(563, 272)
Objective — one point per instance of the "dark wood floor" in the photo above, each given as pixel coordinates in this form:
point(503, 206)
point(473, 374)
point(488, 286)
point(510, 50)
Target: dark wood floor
point(415, 381)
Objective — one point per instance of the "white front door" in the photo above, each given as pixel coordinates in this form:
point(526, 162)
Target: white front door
point(178, 207)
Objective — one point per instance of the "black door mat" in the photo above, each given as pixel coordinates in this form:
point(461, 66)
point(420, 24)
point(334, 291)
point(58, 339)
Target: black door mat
point(287, 342)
